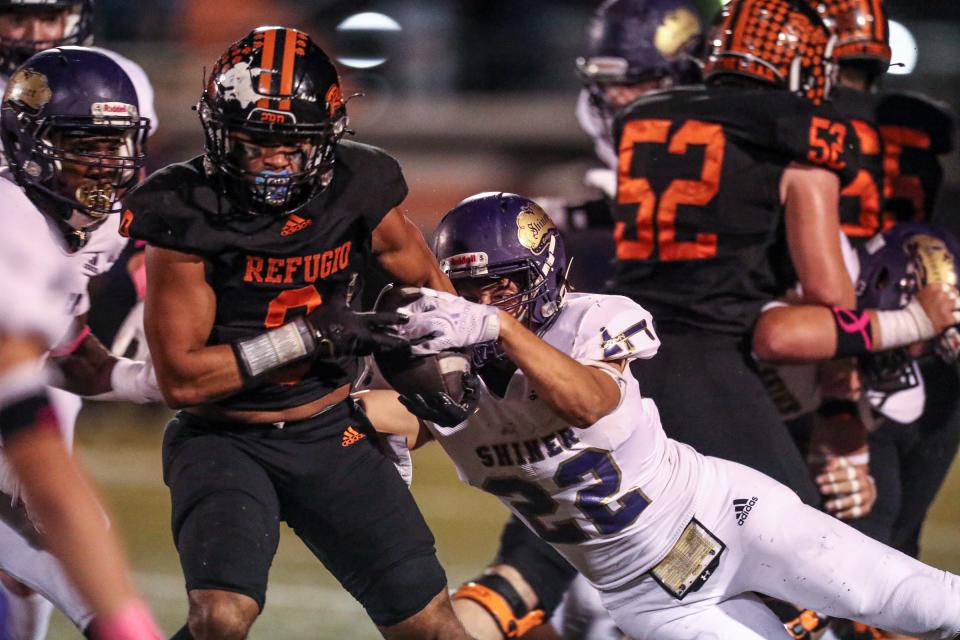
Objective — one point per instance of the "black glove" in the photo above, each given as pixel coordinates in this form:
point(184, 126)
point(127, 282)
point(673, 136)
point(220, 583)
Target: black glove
point(340, 331)
point(442, 410)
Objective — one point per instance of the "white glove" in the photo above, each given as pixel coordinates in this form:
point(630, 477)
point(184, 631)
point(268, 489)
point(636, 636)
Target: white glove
point(395, 448)
point(131, 333)
point(453, 321)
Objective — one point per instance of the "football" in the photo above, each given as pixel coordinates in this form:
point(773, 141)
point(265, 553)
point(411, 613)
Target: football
point(409, 374)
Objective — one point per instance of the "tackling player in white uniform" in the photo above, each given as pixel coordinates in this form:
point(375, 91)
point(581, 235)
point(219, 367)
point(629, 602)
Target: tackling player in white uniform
point(73, 138)
point(675, 541)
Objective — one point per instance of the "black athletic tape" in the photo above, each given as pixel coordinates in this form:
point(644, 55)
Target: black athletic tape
point(31, 412)
point(503, 587)
point(853, 332)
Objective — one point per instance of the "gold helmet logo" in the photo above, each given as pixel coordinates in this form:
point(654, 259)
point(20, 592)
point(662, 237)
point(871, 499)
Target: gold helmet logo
point(533, 228)
point(29, 88)
point(934, 260)
point(678, 27)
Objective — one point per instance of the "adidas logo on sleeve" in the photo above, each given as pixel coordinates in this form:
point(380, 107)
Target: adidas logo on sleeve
point(742, 508)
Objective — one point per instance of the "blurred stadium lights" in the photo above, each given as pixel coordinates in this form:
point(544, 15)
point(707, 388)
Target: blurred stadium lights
point(903, 48)
point(365, 39)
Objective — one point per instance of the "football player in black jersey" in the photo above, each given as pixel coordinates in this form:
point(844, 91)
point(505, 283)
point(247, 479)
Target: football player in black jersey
point(720, 189)
point(255, 249)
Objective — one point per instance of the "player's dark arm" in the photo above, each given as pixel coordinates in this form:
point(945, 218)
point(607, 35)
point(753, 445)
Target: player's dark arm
point(808, 333)
point(178, 317)
point(580, 394)
point(90, 370)
point(403, 253)
point(810, 196)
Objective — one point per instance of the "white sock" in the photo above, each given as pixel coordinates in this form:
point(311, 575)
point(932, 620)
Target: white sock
point(29, 616)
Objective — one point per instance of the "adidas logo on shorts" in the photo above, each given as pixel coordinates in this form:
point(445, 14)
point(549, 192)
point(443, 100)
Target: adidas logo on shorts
point(742, 508)
point(351, 436)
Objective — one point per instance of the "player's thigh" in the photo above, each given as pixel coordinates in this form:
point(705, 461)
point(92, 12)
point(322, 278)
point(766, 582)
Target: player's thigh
point(544, 570)
point(743, 617)
point(355, 513)
point(225, 512)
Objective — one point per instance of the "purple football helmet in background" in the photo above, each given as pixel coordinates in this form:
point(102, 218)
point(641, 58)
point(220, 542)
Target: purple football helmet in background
point(494, 235)
point(894, 266)
point(636, 41)
point(78, 29)
point(82, 92)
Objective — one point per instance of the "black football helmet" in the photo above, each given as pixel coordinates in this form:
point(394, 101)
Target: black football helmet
point(272, 88)
point(78, 29)
point(73, 136)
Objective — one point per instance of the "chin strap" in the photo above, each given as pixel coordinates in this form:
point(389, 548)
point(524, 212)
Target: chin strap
point(495, 594)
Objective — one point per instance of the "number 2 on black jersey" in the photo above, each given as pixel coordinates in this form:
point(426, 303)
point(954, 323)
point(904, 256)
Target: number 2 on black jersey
point(656, 219)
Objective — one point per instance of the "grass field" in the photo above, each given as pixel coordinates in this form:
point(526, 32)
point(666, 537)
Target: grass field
point(120, 446)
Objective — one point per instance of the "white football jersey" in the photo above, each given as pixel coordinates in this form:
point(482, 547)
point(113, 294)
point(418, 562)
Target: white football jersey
point(592, 492)
point(96, 257)
point(35, 274)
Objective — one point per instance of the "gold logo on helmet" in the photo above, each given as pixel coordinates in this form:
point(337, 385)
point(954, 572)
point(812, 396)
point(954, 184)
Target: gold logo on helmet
point(676, 30)
point(533, 228)
point(934, 259)
point(29, 88)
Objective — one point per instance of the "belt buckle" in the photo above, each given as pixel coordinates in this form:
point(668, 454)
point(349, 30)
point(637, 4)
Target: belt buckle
point(691, 561)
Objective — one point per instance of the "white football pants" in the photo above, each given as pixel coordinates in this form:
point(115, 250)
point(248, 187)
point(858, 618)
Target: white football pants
point(787, 550)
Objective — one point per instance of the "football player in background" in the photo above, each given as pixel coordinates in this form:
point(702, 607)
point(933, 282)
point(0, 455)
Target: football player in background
point(73, 139)
point(26, 28)
point(634, 47)
point(675, 541)
point(263, 238)
point(720, 188)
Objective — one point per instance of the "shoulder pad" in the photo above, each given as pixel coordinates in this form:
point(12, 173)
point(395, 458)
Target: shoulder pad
point(369, 178)
point(774, 120)
point(169, 209)
point(920, 112)
point(614, 328)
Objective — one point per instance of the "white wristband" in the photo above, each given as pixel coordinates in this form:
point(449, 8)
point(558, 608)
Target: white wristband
point(904, 326)
point(132, 381)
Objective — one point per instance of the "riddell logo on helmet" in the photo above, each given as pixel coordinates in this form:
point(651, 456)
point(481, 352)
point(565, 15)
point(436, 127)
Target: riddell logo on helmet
point(113, 110)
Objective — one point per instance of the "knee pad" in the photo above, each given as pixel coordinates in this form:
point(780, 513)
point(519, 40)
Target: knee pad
point(495, 594)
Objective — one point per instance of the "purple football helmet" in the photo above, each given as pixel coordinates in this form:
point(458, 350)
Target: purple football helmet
point(493, 235)
point(894, 266)
point(636, 41)
point(70, 111)
point(77, 29)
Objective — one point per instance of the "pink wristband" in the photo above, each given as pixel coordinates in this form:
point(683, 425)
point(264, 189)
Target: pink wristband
point(139, 279)
point(132, 622)
point(70, 347)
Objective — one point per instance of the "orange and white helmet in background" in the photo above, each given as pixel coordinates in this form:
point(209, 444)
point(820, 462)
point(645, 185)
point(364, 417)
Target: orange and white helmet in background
point(861, 28)
point(776, 42)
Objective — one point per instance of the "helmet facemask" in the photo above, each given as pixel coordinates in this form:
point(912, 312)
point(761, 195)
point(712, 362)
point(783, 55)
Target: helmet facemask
point(241, 152)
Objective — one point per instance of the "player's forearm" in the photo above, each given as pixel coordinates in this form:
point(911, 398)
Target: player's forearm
point(807, 333)
point(578, 393)
point(198, 377)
